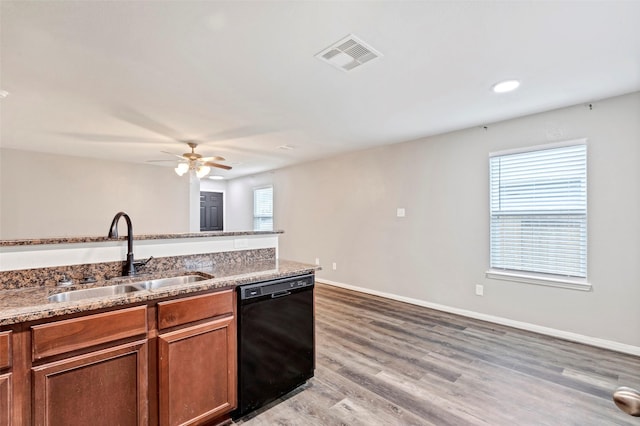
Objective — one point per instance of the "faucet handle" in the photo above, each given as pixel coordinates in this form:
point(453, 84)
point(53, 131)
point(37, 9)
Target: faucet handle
point(141, 263)
point(65, 281)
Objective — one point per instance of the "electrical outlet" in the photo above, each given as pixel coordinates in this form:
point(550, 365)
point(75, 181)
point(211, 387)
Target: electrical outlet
point(317, 260)
point(335, 266)
point(479, 290)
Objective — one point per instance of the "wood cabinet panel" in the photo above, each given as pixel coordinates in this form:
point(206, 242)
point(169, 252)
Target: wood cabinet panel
point(101, 388)
point(77, 333)
point(190, 309)
point(6, 408)
point(5, 349)
point(197, 372)
point(6, 389)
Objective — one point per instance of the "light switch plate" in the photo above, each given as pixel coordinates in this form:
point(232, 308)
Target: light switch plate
point(400, 212)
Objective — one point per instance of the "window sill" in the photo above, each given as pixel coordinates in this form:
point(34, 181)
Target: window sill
point(569, 283)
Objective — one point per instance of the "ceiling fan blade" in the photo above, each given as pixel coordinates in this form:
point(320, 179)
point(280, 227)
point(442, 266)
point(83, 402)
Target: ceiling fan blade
point(182, 157)
point(138, 119)
point(236, 133)
point(220, 166)
point(91, 137)
point(159, 161)
point(215, 158)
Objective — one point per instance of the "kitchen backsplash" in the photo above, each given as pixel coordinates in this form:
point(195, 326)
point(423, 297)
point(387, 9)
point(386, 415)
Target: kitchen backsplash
point(49, 277)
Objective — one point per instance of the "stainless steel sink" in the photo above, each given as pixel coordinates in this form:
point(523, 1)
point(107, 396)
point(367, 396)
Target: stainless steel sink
point(165, 282)
point(73, 295)
point(88, 293)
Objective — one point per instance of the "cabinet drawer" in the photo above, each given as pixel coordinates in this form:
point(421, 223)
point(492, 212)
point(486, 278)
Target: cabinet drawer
point(78, 333)
point(5, 349)
point(189, 309)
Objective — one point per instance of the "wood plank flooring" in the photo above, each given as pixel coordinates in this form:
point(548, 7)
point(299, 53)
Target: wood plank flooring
point(382, 362)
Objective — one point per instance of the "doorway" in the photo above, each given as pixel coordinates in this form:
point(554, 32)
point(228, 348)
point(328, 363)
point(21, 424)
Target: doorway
point(211, 211)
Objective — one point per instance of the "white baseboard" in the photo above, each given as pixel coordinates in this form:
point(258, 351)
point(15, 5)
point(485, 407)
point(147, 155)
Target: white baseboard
point(574, 337)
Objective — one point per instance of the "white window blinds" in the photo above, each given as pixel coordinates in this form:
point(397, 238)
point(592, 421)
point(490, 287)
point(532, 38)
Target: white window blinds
point(263, 209)
point(539, 211)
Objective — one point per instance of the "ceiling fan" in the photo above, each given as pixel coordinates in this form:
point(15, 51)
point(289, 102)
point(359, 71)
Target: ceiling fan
point(196, 162)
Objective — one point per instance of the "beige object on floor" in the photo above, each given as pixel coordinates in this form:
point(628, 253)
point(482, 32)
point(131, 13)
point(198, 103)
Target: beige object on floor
point(628, 400)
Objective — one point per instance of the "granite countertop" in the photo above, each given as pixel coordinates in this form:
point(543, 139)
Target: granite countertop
point(30, 304)
point(100, 239)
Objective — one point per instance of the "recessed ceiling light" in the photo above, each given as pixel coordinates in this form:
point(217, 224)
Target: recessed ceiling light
point(505, 86)
point(216, 177)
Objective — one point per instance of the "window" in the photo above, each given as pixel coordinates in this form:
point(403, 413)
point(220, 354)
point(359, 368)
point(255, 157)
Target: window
point(539, 211)
point(263, 209)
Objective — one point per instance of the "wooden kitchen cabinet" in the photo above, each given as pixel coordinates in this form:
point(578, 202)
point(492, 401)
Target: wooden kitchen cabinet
point(169, 362)
point(106, 387)
point(6, 408)
point(95, 370)
point(197, 359)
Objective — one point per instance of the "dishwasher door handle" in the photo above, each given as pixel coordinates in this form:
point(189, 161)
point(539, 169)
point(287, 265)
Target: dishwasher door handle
point(280, 294)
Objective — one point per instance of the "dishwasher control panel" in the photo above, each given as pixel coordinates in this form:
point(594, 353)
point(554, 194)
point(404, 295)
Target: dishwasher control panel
point(275, 287)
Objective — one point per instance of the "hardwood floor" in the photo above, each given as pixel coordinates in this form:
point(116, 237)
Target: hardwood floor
point(382, 362)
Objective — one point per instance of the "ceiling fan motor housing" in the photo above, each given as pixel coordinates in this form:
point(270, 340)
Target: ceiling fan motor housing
point(192, 156)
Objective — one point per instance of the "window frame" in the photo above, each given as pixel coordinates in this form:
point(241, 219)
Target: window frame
point(540, 278)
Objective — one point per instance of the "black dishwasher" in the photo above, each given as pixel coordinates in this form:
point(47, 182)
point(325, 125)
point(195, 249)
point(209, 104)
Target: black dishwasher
point(276, 339)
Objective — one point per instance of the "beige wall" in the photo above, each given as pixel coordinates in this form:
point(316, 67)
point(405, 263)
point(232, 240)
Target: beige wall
point(45, 195)
point(239, 199)
point(213, 185)
point(343, 210)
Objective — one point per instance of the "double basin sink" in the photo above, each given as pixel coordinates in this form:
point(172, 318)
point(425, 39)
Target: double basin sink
point(112, 290)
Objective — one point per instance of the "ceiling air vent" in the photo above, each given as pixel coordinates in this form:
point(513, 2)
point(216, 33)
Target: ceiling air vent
point(348, 53)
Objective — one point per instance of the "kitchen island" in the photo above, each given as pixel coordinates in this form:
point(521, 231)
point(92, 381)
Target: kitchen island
point(162, 355)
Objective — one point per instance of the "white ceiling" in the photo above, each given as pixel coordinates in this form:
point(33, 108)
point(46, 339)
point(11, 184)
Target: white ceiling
point(125, 80)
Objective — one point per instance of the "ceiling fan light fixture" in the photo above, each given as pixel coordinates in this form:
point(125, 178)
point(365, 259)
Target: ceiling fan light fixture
point(182, 169)
point(196, 163)
point(202, 171)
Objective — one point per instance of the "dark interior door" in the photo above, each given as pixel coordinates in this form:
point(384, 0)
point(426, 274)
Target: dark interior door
point(211, 208)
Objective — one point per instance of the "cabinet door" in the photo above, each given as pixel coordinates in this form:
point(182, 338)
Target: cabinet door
point(106, 387)
point(5, 399)
point(197, 372)
point(5, 349)
point(5, 379)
